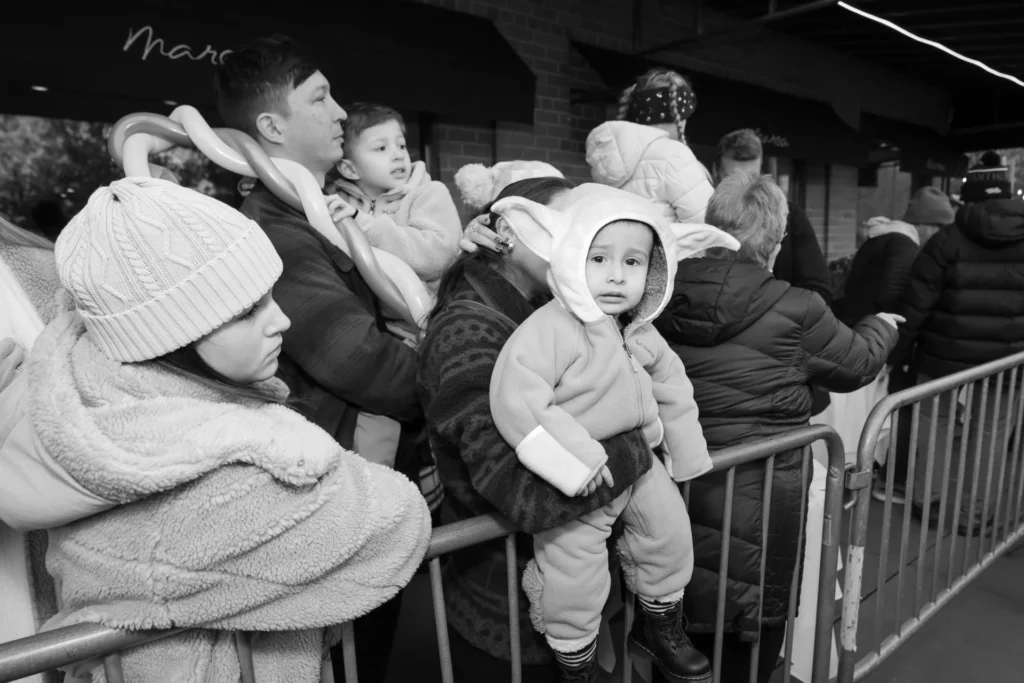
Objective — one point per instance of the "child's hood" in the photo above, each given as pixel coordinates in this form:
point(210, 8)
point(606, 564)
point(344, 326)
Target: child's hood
point(563, 238)
point(417, 176)
point(616, 148)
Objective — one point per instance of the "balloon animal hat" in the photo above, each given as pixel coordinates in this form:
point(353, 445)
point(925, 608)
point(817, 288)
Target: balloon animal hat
point(136, 136)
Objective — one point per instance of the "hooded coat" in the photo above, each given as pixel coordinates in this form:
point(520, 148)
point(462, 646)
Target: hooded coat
point(206, 513)
point(417, 222)
point(645, 161)
point(753, 346)
point(569, 376)
point(880, 270)
point(964, 303)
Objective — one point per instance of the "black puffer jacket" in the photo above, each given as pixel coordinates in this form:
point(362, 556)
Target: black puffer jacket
point(752, 346)
point(880, 270)
point(964, 304)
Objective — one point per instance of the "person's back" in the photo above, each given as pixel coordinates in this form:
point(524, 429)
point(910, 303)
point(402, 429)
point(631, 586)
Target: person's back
point(646, 153)
point(154, 402)
point(880, 270)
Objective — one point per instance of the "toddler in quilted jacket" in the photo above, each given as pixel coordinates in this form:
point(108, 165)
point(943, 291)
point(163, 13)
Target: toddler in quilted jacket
point(645, 151)
point(585, 367)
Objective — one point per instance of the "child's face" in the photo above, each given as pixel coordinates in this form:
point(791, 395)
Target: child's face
point(617, 266)
point(246, 348)
point(378, 161)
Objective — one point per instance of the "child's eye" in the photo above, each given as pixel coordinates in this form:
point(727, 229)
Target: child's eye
point(597, 259)
point(633, 262)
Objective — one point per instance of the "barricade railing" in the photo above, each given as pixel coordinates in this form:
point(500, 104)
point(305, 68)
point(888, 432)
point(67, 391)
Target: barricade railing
point(82, 642)
point(969, 431)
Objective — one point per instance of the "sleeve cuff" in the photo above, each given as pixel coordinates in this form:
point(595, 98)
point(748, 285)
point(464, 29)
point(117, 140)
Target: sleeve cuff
point(544, 456)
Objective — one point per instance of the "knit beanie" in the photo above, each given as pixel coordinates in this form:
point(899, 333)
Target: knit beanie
point(480, 185)
point(153, 266)
point(989, 179)
point(929, 206)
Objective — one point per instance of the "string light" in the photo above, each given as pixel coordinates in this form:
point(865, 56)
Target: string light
point(931, 43)
point(40, 88)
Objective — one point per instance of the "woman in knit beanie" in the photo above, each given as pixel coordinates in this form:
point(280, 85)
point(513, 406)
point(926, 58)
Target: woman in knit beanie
point(178, 487)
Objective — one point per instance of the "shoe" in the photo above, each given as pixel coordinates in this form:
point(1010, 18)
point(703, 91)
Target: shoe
point(584, 672)
point(662, 638)
point(899, 492)
point(917, 510)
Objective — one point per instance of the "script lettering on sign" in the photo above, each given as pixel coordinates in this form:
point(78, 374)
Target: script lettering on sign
point(776, 140)
point(152, 43)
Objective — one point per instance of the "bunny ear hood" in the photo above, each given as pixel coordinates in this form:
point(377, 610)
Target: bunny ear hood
point(563, 238)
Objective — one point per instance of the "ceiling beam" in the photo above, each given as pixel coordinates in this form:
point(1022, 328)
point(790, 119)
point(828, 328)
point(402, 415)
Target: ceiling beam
point(966, 8)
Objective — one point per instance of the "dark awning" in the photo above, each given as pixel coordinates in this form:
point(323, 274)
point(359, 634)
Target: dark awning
point(102, 61)
point(919, 149)
point(789, 126)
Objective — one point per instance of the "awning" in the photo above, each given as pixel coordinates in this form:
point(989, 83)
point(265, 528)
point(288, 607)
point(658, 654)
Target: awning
point(100, 62)
point(918, 149)
point(789, 126)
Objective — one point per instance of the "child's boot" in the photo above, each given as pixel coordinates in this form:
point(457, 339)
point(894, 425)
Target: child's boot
point(579, 666)
point(658, 633)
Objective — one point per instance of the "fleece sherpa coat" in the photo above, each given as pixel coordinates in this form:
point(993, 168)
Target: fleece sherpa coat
point(230, 516)
point(644, 160)
point(569, 377)
point(417, 222)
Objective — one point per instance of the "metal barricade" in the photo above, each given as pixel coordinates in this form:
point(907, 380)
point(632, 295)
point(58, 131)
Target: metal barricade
point(61, 647)
point(963, 427)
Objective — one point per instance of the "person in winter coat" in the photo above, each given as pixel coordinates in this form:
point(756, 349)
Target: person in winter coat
point(645, 151)
point(588, 366)
point(753, 346)
point(190, 495)
point(398, 206)
point(878, 275)
point(800, 261)
point(481, 301)
point(964, 307)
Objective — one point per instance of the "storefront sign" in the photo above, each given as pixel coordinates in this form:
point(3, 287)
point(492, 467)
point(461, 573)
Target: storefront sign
point(152, 43)
point(774, 140)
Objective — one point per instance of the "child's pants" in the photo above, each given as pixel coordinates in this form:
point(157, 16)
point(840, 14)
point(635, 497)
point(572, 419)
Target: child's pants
point(573, 559)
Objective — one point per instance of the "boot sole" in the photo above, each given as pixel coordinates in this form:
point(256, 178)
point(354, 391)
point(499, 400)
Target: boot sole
point(638, 649)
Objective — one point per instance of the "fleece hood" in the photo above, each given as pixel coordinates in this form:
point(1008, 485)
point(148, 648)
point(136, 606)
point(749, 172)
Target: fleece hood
point(563, 238)
point(880, 225)
point(417, 176)
point(993, 223)
point(615, 149)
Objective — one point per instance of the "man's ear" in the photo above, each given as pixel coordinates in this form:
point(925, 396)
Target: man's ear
point(348, 170)
point(535, 225)
point(271, 127)
point(692, 238)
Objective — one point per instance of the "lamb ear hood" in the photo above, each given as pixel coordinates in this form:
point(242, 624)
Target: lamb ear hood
point(563, 238)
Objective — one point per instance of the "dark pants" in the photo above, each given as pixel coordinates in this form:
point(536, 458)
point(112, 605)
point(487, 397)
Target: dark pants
point(898, 381)
point(375, 637)
point(736, 654)
point(471, 665)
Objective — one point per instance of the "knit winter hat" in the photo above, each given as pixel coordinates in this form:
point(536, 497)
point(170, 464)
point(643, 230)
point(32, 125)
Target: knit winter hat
point(929, 206)
point(989, 179)
point(480, 185)
point(153, 266)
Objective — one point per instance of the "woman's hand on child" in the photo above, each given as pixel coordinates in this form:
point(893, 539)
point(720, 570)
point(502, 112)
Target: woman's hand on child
point(339, 208)
point(479, 234)
point(603, 477)
point(892, 319)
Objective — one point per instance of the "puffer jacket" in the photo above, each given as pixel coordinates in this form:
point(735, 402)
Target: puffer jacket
point(753, 346)
point(880, 270)
point(644, 160)
point(964, 303)
point(221, 515)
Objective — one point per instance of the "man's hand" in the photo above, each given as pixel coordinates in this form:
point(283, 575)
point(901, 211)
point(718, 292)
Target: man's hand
point(12, 355)
point(479, 234)
point(892, 319)
point(339, 209)
point(602, 477)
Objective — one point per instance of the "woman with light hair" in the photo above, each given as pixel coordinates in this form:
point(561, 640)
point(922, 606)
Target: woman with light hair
point(753, 346)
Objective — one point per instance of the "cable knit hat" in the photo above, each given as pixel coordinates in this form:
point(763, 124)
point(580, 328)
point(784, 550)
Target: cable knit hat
point(153, 266)
point(480, 185)
point(929, 206)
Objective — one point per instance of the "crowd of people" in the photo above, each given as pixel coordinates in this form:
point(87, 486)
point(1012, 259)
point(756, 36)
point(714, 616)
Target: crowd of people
point(221, 429)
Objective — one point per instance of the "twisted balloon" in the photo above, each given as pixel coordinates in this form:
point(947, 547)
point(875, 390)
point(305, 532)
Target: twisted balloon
point(136, 136)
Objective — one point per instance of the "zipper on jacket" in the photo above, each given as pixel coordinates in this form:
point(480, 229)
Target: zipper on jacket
point(637, 385)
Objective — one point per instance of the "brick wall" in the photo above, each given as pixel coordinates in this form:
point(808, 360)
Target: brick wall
point(840, 239)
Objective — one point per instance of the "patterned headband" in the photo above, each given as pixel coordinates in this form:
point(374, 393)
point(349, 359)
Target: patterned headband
point(655, 105)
